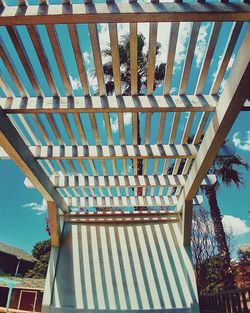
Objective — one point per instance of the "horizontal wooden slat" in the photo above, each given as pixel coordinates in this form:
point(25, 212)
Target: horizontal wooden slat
point(122, 181)
point(123, 217)
point(112, 152)
point(123, 13)
point(108, 202)
point(109, 104)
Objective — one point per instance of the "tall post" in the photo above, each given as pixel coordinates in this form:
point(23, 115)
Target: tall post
point(54, 223)
point(187, 222)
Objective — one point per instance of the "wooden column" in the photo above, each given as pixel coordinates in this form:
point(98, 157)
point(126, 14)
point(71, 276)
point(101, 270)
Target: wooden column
point(54, 223)
point(186, 228)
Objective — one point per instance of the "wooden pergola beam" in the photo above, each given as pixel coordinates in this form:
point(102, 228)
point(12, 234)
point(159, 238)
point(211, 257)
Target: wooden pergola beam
point(123, 13)
point(17, 150)
point(231, 101)
point(121, 181)
point(128, 201)
point(54, 223)
point(106, 104)
point(112, 152)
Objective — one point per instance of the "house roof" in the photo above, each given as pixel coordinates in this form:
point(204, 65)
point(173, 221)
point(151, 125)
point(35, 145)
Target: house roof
point(32, 283)
point(16, 252)
point(245, 248)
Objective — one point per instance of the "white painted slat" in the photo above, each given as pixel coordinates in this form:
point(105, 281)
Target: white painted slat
point(118, 277)
point(87, 273)
point(76, 267)
point(128, 201)
point(114, 152)
point(97, 270)
point(108, 275)
point(122, 181)
point(128, 271)
point(109, 104)
point(150, 275)
point(138, 269)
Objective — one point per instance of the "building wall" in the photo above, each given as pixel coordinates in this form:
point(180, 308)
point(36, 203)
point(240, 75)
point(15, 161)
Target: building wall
point(15, 296)
point(3, 296)
point(8, 263)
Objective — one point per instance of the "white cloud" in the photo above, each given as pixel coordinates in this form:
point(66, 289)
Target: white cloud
point(86, 57)
point(235, 225)
point(184, 33)
point(201, 44)
point(75, 82)
point(241, 140)
point(173, 91)
point(38, 208)
point(127, 117)
point(114, 124)
point(91, 79)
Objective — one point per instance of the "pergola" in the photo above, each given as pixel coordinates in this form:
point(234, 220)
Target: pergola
point(56, 138)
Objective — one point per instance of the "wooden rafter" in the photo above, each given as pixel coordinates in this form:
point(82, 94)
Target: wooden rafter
point(109, 104)
point(123, 13)
point(134, 201)
point(112, 152)
point(122, 181)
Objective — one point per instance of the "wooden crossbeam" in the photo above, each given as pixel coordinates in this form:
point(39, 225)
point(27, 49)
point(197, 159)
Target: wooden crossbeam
point(121, 181)
point(124, 217)
point(134, 201)
point(109, 104)
point(235, 93)
point(17, 150)
point(123, 13)
point(112, 152)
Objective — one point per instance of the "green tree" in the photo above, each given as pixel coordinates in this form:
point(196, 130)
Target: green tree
point(226, 169)
point(142, 61)
point(40, 251)
point(242, 269)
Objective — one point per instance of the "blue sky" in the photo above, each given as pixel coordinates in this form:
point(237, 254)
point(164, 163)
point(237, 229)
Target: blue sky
point(22, 220)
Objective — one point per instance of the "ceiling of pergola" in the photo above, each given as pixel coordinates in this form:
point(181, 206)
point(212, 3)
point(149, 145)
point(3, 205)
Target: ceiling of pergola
point(83, 148)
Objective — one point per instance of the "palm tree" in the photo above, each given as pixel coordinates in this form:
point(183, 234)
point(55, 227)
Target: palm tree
point(142, 61)
point(226, 170)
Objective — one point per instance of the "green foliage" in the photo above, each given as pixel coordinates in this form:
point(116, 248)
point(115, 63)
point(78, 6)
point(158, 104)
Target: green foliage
point(3, 274)
point(210, 280)
point(244, 257)
point(41, 251)
point(41, 248)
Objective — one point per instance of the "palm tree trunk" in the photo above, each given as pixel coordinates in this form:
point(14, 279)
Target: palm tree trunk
point(225, 266)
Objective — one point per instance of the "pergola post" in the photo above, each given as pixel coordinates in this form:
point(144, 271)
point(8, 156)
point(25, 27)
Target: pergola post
point(54, 223)
point(186, 222)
